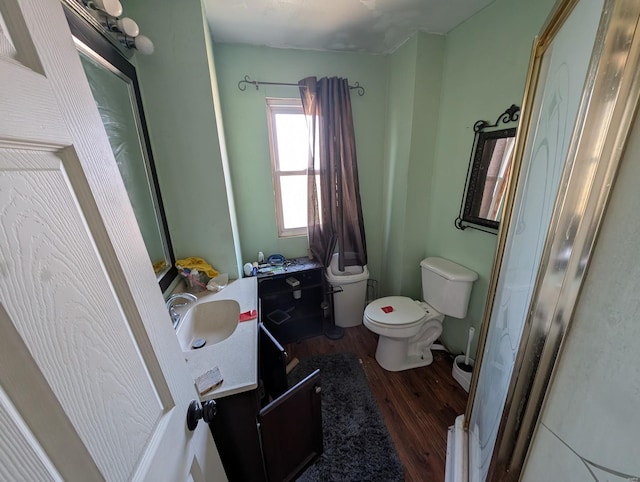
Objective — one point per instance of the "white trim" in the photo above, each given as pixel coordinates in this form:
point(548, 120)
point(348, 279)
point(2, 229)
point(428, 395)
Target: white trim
point(456, 461)
point(282, 106)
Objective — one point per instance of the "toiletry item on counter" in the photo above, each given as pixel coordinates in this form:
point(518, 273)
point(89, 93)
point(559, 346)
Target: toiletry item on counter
point(247, 268)
point(195, 280)
point(197, 272)
point(218, 283)
point(276, 260)
point(248, 315)
point(268, 269)
point(209, 380)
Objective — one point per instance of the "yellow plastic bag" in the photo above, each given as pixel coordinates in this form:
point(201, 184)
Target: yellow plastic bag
point(197, 263)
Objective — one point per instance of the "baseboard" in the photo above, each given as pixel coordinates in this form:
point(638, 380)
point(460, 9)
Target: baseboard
point(456, 463)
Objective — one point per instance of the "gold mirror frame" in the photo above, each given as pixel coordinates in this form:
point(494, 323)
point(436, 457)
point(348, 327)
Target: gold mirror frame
point(607, 108)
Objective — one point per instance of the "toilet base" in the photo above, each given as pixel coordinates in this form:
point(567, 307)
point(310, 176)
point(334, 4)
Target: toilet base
point(395, 355)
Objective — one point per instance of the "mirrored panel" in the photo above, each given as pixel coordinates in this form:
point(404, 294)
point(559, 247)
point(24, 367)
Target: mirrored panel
point(114, 86)
point(488, 174)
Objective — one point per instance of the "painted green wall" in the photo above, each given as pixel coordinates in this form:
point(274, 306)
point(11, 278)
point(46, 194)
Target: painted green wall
point(415, 74)
point(176, 84)
point(224, 156)
point(485, 70)
point(402, 73)
point(245, 121)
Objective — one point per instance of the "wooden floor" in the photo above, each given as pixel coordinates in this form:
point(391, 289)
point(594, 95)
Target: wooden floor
point(417, 405)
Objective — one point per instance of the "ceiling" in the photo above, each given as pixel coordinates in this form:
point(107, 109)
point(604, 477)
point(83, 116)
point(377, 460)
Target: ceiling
point(375, 26)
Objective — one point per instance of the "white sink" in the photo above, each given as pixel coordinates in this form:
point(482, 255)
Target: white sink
point(207, 323)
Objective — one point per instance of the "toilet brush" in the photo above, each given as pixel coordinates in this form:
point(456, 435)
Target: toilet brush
point(462, 365)
point(466, 366)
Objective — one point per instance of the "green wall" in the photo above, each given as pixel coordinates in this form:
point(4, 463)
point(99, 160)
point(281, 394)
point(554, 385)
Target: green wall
point(402, 72)
point(485, 68)
point(245, 121)
point(223, 147)
point(415, 75)
point(176, 84)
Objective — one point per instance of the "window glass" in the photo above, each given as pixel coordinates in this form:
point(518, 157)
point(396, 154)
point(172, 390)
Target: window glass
point(293, 143)
point(294, 201)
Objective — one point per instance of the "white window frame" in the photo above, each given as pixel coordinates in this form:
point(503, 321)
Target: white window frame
point(282, 106)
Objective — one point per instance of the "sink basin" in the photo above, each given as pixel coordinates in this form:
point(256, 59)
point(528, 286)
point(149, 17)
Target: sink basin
point(208, 323)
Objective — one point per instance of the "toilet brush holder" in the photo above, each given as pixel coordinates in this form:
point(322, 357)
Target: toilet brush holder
point(462, 372)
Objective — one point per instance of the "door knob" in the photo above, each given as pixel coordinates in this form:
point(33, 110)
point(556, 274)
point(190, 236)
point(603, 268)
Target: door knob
point(195, 412)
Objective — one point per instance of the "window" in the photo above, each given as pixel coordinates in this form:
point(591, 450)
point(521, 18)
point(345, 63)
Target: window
point(289, 142)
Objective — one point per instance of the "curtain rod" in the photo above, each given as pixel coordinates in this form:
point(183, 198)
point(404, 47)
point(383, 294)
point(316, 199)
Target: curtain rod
point(242, 85)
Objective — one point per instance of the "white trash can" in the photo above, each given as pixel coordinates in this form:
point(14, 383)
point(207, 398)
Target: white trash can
point(348, 304)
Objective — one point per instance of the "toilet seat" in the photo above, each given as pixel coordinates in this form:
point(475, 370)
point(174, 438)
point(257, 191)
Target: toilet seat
point(395, 312)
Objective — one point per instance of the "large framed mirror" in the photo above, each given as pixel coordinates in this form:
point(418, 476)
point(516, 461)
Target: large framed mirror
point(488, 173)
point(114, 85)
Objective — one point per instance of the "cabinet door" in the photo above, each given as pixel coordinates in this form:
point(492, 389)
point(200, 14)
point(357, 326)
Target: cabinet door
point(272, 361)
point(291, 429)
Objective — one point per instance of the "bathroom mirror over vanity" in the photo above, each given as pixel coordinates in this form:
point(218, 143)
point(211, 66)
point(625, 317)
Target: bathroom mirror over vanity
point(488, 174)
point(115, 89)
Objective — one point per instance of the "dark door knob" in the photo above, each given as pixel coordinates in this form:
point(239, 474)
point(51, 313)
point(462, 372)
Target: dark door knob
point(196, 411)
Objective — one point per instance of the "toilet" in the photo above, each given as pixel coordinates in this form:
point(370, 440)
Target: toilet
point(407, 327)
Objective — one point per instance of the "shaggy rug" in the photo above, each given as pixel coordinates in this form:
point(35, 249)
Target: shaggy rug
point(357, 446)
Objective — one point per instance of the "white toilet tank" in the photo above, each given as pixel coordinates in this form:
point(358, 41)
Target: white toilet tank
point(446, 286)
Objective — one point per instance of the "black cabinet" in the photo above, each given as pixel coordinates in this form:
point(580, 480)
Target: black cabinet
point(272, 433)
point(293, 304)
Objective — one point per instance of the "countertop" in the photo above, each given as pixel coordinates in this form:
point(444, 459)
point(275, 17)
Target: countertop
point(293, 265)
point(237, 356)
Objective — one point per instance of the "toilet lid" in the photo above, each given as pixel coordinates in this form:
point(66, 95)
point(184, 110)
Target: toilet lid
point(394, 310)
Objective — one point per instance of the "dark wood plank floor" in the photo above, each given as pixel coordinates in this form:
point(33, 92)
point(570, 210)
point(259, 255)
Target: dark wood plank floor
point(417, 405)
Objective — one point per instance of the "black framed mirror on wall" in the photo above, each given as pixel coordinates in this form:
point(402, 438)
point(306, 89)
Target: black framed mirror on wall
point(114, 85)
point(488, 173)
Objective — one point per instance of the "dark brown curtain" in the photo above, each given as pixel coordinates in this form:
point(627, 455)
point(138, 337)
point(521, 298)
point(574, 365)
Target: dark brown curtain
point(334, 207)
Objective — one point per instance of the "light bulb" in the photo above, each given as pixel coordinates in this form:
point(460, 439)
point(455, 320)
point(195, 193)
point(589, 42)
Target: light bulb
point(110, 7)
point(128, 27)
point(143, 44)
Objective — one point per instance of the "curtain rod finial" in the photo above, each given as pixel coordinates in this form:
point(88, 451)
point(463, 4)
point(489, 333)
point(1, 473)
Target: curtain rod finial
point(242, 85)
point(358, 88)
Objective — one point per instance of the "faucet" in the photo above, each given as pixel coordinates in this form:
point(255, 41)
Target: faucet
point(171, 306)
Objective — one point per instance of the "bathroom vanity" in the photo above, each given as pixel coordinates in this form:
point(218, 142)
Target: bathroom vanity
point(264, 430)
point(294, 302)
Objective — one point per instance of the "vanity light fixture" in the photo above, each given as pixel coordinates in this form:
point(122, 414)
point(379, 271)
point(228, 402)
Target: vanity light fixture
point(110, 7)
point(125, 30)
point(142, 43)
point(124, 25)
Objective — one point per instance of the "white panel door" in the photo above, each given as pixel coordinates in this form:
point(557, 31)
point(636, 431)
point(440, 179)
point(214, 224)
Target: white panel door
point(93, 385)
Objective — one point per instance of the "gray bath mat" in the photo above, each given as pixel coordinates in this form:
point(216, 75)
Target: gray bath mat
point(357, 445)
